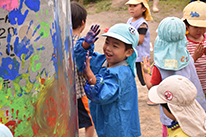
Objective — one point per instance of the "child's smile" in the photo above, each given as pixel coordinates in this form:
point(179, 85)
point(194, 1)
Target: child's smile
point(114, 51)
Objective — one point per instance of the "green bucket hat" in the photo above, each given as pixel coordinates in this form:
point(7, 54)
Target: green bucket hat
point(170, 48)
point(129, 35)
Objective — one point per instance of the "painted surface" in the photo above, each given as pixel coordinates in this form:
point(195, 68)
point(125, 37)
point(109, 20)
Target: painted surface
point(37, 96)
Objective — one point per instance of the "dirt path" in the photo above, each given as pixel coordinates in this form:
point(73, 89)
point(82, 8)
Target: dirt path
point(149, 115)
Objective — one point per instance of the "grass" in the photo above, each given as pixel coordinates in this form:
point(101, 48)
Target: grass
point(166, 6)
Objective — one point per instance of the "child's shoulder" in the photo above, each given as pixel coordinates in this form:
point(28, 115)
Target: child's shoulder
point(122, 69)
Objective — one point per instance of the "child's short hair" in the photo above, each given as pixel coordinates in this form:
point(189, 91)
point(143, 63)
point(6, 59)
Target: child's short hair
point(170, 49)
point(195, 14)
point(179, 93)
point(79, 14)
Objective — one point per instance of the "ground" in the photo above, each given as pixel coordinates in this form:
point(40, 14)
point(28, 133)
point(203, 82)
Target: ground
point(149, 115)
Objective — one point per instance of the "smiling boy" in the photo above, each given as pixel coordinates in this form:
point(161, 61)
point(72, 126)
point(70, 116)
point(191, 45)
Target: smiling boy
point(111, 85)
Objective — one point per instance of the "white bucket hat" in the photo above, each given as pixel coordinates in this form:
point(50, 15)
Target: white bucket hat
point(5, 131)
point(179, 93)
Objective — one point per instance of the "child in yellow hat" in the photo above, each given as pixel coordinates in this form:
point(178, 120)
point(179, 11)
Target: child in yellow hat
point(194, 17)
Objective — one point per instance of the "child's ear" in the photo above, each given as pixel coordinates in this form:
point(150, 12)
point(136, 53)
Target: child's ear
point(129, 52)
point(83, 23)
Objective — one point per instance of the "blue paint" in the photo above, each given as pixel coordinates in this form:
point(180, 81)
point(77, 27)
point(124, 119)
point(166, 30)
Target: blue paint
point(31, 22)
point(42, 48)
point(54, 54)
point(36, 29)
point(33, 5)
point(9, 68)
point(16, 15)
point(8, 41)
point(15, 31)
point(21, 48)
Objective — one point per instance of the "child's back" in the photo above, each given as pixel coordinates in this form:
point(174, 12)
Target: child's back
point(172, 58)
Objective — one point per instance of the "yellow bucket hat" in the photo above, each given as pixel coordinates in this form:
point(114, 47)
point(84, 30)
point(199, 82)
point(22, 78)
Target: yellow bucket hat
point(195, 14)
point(148, 15)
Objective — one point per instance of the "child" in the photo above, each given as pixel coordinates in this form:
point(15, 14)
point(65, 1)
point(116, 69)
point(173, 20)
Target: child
point(194, 16)
point(111, 82)
point(171, 57)
point(140, 12)
point(79, 15)
point(177, 96)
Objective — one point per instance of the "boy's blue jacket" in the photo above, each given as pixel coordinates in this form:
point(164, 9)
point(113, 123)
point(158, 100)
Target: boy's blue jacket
point(114, 103)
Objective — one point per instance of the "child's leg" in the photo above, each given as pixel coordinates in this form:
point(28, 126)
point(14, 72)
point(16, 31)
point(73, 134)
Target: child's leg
point(155, 2)
point(85, 119)
point(164, 131)
point(140, 73)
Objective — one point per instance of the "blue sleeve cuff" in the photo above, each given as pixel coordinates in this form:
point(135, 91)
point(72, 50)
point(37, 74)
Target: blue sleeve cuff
point(92, 91)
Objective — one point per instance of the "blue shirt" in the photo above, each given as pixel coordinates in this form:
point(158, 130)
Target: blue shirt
point(114, 99)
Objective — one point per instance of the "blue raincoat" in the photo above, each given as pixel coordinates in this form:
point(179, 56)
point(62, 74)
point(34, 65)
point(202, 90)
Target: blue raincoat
point(114, 99)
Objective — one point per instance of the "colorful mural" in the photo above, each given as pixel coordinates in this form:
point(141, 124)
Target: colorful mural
point(37, 96)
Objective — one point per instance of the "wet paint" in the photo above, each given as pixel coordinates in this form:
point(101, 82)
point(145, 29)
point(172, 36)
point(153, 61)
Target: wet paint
point(35, 100)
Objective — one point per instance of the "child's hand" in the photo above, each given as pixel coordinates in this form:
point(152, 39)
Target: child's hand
point(199, 50)
point(91, 35)
point(146, 65)
point(86, 66)
point(205, 50)
point(87, 70)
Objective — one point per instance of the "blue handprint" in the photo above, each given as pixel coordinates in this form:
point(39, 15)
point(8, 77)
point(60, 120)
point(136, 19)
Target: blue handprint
point(9, 68)
point(21, 50)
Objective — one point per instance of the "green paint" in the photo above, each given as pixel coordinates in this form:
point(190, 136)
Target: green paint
point(44, 26)
point(38, 65)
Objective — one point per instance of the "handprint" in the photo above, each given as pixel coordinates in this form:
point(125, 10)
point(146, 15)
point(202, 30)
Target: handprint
point(24, 49)
point(51, 112)
point(44, 26)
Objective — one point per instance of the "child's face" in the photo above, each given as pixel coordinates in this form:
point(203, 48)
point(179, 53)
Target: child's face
point(195, 32)
point(114, 51)
point(136, 11)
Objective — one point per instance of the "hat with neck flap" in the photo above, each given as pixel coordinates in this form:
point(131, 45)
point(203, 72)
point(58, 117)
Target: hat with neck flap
point(170, 48)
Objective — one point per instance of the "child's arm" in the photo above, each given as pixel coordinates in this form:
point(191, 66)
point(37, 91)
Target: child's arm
point(147, 72)
point(199, 50)
point(142, 30)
